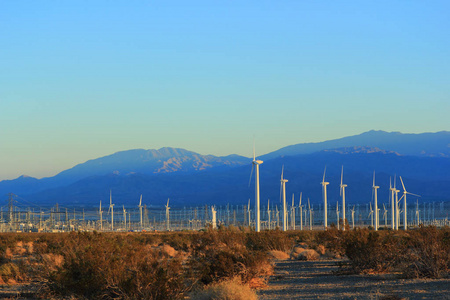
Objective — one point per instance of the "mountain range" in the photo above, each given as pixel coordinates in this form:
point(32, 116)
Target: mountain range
point(189, 178)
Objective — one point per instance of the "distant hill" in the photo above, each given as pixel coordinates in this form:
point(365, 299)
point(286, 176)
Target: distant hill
point(188, 178)
point(164, 160)
point(423, 144)
point(427, 176)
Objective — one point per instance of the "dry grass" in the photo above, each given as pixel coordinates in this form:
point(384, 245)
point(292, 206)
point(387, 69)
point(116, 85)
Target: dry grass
point(231, 289)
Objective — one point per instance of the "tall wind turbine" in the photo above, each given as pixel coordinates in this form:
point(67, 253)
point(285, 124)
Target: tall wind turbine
point(342, 192)
point(249, 213)
point(214, 217)
point(397, 210)
point(310, 215)
point(268, 213)
point(405, 218)
point(393, 211)
point(111, 207)
point(140, 211)
point(337, 214)
point(293, 213)
point(417, 213)
point(353, 217)
point(255, 164)
point(385, 216)
point(371, 214)
point(374, 192)
point(301, 211)
point(324, 195)
point(167, 215)
point(124, 217)
point(101, 215)
point(283, 187)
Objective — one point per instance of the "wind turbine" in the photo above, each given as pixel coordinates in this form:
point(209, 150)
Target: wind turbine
point(375, 193)
point(268, 212)
point(283, 191)
point(301, 212)
point(337, 214)
point(324, 194)
point(293, 213)
point(140, 210)
point(167, 215)
point(310, 215)
point(214, 217)
point(255, 164)
point(111, 208)
point(392, 190)
point(124, 217)
point(385, 215)
point(101, 215)
point(342, 192)
point(405, 218)
point(249, 214)
point(353, 217)
point(417, 213)
point(371, 214)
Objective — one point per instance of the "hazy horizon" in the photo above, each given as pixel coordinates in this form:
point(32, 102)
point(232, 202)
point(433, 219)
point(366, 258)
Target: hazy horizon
point(82, 80)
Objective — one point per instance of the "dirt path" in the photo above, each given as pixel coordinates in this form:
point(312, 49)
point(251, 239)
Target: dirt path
point(317, 280)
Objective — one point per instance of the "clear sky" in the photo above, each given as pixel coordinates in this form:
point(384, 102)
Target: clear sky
point(84, 79)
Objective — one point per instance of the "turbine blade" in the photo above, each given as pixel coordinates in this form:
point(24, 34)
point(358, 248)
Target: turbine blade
point(342, 174)
point(324, 171)
point(254, 152)
point(282, 171)
point(402, 184)
point(300, 203)
point(281, 187)
point(251, 174)
point(373, 184)
point(140, 201)
point(412, 194)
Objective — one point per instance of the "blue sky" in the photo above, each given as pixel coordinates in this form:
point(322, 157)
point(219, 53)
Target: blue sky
point(84, 79)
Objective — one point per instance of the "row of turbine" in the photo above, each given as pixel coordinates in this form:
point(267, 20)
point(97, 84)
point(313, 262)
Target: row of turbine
point(395, 201)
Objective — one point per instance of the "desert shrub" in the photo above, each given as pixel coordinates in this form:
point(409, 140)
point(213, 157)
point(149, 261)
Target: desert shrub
point(371, 251)
point(115, 266)
point(222, 254)
point(269, 240)
point(231, 289)
point(428, 253)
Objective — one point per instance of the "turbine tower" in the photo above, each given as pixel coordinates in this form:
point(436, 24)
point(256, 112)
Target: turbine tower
point(293, 213)
point(268, 213)
point(374, 193)
point(392, 190)
point(111, 207)
point(124, 217)
point(342, 192)
point(167, 215)
point(405, 218)
point(301, 211)
point(100, 213)
point(255, 164)
point(337, 214)
point(140, 211)
point(283, 187)
point(214, 217)
point(324, 194)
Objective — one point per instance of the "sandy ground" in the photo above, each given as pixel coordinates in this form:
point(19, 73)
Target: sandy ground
point(320, 280)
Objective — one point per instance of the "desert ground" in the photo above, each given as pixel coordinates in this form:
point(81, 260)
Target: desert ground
point(294, 279)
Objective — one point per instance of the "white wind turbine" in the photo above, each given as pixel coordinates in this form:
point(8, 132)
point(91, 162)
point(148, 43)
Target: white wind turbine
point(283, 193)
point(255, 164)
point(101, 216)
point(397, 209)
point(140, 211)
point(124, 217)
point(353, 217)
point(214, 217)
point(371, 215)
point(324, 195)
point(310, 215)
point(337, 214)
point(268, 213)
point(375, 195)
point(417, 213)
point(405, 218)
point(385, 216)
point(342, 192)
point(167, 215)
point(111, 208)
point(301, 211)
point(393, 211)
point(249, 213)
point(293, 213)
